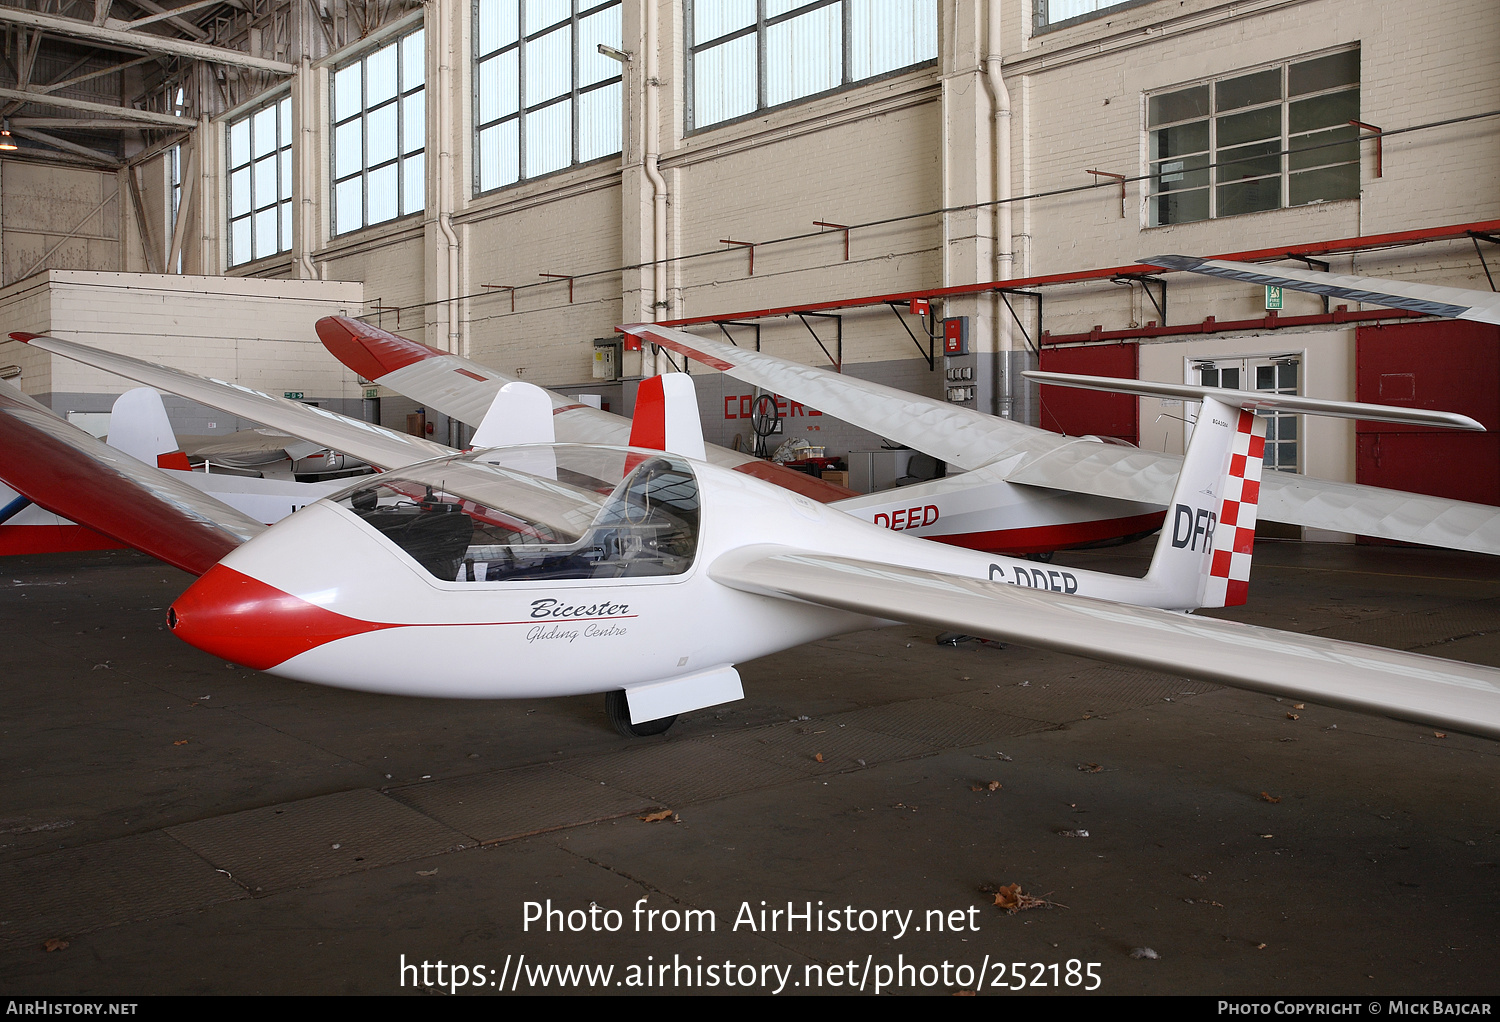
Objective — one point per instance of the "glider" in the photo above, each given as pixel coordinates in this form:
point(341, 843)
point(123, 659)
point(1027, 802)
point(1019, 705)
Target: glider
point(1014, 474)
point(647, 573)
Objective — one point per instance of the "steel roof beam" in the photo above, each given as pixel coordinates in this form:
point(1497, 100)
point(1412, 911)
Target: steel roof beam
point(103, 109)
point(142, 41)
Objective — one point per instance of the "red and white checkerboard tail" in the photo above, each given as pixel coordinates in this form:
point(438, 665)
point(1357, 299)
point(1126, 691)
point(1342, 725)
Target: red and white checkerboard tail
point(1234, 538)
point(1203, 556)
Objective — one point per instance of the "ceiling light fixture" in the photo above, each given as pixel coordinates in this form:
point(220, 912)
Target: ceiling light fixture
point(7, 143)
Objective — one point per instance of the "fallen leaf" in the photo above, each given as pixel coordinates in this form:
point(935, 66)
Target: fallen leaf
point(183, 742)
point(1293, 716)
point(1090, 768)
point(665, 814)
point(994, 785)
point(1260, 947)
point(818, 756)
point(1299, 706)
point(1264, 797)
point(1013, 900)
point(1439, 734)
point(1268, 835)
point(54, 944)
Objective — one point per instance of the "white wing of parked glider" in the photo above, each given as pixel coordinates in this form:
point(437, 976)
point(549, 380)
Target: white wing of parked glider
point(1432, 299)
point(1033, 457)
point(962, 437)
point(365, 440)
point(463, 388)
point(1425, 689)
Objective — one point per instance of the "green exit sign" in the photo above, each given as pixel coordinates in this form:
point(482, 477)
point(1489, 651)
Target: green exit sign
point(294, 395)
point(371, 392)
point(1273, 297)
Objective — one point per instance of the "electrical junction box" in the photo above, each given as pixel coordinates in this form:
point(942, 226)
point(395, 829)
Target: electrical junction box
point(606, 359)
point(956, 335)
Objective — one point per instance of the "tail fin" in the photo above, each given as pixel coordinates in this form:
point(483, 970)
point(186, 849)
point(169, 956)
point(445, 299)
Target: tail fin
point(1202, 558)
point(1209, 535)
point(139, 427)
point(666, 416)
point(521, 414)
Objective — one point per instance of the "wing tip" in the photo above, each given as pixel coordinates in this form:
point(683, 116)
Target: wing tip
point(1173, 262)
point(23, 336)
point(368, 350)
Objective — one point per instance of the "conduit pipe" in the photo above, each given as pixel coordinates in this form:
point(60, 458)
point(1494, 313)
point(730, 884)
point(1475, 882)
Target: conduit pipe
point(443, 28)
point(650, 162)
point(303, 84)
point(1004, 255)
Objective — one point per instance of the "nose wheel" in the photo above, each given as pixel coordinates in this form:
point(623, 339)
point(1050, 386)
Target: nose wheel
point(617, 708)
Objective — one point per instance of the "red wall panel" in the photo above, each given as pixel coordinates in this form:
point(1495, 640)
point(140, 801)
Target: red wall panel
point(1092, 412)
point(1448, 365)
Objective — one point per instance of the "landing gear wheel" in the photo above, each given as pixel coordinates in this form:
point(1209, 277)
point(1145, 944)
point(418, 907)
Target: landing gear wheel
point(618, 711)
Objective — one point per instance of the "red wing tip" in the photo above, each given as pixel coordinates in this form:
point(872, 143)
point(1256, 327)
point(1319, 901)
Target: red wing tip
point(23, 336)
point(368, 350)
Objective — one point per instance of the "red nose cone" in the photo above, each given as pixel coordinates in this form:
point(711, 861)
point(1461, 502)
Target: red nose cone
point(243, 620)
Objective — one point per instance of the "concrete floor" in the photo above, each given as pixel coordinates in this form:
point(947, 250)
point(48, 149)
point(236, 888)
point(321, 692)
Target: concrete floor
point(191, 827)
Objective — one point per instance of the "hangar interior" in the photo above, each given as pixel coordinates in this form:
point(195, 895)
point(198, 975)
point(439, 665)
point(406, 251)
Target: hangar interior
point(790, 177)
point(829, 181)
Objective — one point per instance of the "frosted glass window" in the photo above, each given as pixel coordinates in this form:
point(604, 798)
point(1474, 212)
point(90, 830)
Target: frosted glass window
point(379, 135)
point(804, 55)
point(599, 123)
point(887, 35)
point(259, 148)
point(547, 141)
point(749, 55)
point(715, 18)
point(545, 98)
point(548, 66)
point(1051, 12)
point(1249, 142)
point(724, 81)
point(380, 75)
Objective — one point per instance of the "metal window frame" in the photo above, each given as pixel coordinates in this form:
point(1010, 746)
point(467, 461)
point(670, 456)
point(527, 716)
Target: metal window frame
point(282, 153)
point(1214, 151)
point(363, 116)
point(692, 48)
point(1041, 14)
point(572, 95)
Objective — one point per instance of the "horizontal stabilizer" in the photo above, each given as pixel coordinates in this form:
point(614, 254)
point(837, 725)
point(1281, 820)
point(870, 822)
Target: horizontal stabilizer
point(1432, 299)
point(1443, 693)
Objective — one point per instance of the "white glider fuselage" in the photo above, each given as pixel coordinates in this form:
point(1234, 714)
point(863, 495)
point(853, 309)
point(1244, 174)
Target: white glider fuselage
point(392, 625)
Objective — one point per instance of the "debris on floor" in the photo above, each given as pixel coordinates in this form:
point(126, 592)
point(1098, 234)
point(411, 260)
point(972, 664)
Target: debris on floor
point(1012, 899)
